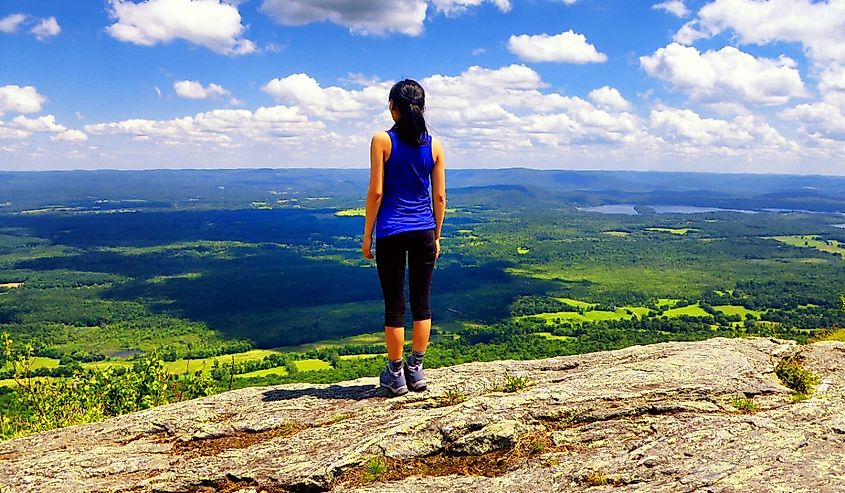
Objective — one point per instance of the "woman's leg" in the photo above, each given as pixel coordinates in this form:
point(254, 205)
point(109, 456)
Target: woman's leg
point(421, 258)
point(390, 263)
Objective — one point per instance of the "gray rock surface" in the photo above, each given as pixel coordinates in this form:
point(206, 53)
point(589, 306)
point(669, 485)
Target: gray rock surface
point(646, 418)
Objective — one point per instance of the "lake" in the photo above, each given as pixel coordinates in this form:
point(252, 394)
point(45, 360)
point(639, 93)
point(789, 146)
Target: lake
point(628, 209)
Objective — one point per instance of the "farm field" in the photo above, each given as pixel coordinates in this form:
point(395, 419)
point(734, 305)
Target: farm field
point(279, 285)
point(813, 241)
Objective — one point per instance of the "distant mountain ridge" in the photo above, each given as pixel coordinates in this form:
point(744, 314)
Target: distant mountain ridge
point(319, 187)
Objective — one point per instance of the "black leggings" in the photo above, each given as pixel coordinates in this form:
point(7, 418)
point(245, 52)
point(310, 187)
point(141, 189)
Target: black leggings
point(421, 250)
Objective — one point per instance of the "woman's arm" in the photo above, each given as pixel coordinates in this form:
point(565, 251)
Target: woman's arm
point(379, 150)
point(438, 189)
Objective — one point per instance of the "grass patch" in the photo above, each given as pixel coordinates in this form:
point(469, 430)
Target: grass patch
point(737, 310)
point(279, 370)
point(691, 310)
point(374, 468)
point(356, 212)
point(189, 365)
point(668, 302)
point(674, 231)
point(452, 397)
point(522, 251)
point(831, 335)
point(312, 365)
point(812, 241)
point(514, 383)
point(745, 406)
point(360, 356)
point(616, 233)
point(576, 303)
point(552, 337)
point(599, 478)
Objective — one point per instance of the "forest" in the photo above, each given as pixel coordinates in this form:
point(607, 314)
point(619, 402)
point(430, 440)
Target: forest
point(220, 279)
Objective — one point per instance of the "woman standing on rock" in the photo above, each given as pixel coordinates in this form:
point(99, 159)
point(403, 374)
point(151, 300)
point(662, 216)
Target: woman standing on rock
point(404, 162)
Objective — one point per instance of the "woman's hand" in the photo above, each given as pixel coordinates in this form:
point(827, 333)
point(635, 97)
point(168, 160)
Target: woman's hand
point(437, 244)
point(367, 248)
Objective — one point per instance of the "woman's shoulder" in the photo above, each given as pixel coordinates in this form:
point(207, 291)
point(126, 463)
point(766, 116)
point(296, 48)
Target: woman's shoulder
point(382, 136)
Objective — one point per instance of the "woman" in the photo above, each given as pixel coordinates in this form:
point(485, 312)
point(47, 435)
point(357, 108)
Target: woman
point(404, 162)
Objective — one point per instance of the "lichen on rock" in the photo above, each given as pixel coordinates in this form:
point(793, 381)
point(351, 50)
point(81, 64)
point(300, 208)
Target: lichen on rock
point(645, 418)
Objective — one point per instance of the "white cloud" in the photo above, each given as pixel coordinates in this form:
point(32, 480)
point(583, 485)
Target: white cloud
point(674, 7)
point(822, 120)
point(818, 26)
point(373, 17)
point(725, 75)
point(70, 136)
point(500, 110)
point(832, 78)
point(610, 98)
point(214, 24)
point(10, 23)
point(567, 47)
point(46, 29)
point(330, 102)
point(221, 127)
point(20, 99)
point(46, 123)
point(687, 130)
point(194, 90)
point(452, 7)
point(22, 127)
point(7, 132)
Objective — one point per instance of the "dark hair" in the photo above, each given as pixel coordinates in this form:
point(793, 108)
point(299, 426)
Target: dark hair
point(409, 99)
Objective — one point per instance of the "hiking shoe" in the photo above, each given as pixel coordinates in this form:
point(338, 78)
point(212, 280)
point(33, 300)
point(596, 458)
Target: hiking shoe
point(414, 377)
point(394, 382)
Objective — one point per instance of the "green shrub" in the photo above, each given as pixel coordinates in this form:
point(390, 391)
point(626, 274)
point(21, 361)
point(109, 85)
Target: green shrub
point(89, 395)
point(515, 384)
point(792, 373)
point(451, 397)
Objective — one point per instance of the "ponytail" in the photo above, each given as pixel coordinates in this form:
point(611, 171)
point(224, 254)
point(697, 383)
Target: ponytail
point(409, 99)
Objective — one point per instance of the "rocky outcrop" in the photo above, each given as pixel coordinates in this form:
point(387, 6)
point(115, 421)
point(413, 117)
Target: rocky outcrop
point(661, 417)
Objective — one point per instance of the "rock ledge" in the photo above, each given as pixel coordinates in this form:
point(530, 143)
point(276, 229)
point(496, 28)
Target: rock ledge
point(645, 418)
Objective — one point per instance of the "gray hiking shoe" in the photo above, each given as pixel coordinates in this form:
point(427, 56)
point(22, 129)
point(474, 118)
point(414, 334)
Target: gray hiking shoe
point(394, 382)
point(414, 376)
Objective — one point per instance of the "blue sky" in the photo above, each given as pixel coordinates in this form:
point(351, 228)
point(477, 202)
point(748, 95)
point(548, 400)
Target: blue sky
point(723, 85)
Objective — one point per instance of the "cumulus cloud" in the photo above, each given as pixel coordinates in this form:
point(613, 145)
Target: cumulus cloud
point(46, 123)
point(832, 78)
point(9, 132)
point(566, 47)
point(726, 74)
point(22, 127)
point(46, 29)
point(818, 26)
point(214, 24)
point(219, 127)
point(452, 7)
point(371, 17)
point(506, 108)
point(610, 98)
point(10, 23)
point(822, 120)
point(20, 99)
point(674, 7)
point(194, 90)
point(330, 102)
point(685, 128)
point(70, 136)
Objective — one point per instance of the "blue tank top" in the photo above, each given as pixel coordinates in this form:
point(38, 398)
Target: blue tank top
point(406, 201)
